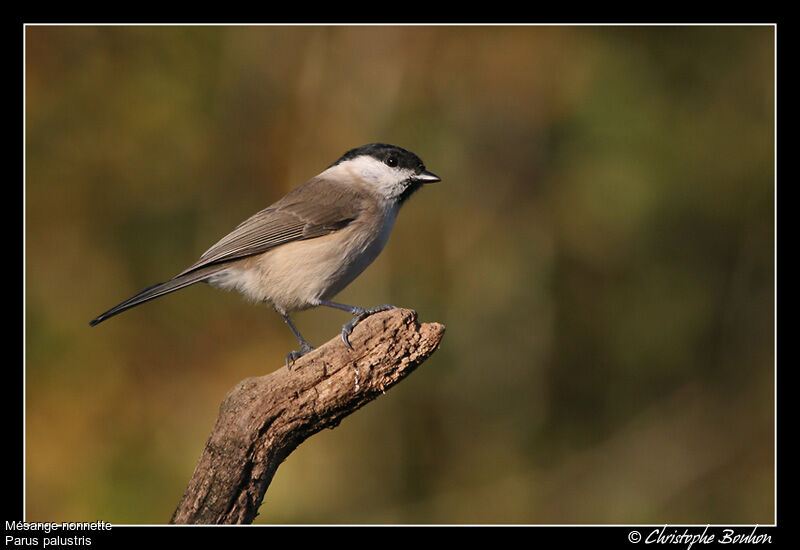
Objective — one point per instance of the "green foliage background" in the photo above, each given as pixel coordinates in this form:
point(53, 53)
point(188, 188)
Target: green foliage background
point(601, 250)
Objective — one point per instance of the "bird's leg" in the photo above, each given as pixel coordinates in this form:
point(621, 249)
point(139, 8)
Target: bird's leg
point(305, 347)
point(359, 314)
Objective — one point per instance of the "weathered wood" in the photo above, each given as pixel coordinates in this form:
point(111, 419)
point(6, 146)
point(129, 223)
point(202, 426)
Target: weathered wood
point(263, 419)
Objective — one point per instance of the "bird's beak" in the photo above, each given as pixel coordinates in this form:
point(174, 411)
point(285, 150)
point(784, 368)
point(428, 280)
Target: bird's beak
point(427, 177)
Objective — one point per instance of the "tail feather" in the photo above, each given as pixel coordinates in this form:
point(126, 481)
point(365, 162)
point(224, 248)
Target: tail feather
point(157, 290)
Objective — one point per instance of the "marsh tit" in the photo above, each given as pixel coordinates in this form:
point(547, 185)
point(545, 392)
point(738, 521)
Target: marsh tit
point(304, 249)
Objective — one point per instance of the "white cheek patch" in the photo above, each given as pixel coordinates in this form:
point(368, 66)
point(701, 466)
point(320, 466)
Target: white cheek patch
point(369, 174)
point(389, 182)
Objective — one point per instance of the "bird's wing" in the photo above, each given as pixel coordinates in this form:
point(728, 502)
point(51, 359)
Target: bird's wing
point(316, 208)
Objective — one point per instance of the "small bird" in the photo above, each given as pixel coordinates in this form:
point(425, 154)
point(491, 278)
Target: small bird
point(304, 249)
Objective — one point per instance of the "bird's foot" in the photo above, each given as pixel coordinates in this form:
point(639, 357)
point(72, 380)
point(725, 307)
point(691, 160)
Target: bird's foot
point(292, 356)
point(360, 315)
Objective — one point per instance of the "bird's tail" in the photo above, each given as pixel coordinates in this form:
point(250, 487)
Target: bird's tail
point(160, 289)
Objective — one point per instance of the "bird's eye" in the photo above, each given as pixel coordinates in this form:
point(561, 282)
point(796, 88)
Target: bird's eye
point(391, 161)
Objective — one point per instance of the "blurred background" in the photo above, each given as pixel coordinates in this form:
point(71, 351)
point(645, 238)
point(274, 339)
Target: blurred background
point(601, 250)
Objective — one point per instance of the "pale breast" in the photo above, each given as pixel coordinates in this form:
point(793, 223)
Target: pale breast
point(297, 275)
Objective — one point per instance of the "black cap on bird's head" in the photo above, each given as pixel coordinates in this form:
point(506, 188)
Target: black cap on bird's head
point(396, 156)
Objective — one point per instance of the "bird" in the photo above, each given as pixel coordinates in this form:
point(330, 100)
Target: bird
point(302, 250)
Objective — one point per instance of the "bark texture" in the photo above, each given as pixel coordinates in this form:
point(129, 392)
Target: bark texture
point(263, 419)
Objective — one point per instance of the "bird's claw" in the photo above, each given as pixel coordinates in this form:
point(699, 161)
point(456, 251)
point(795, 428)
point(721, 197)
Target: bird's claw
point(292, 356)
point(360, 315)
